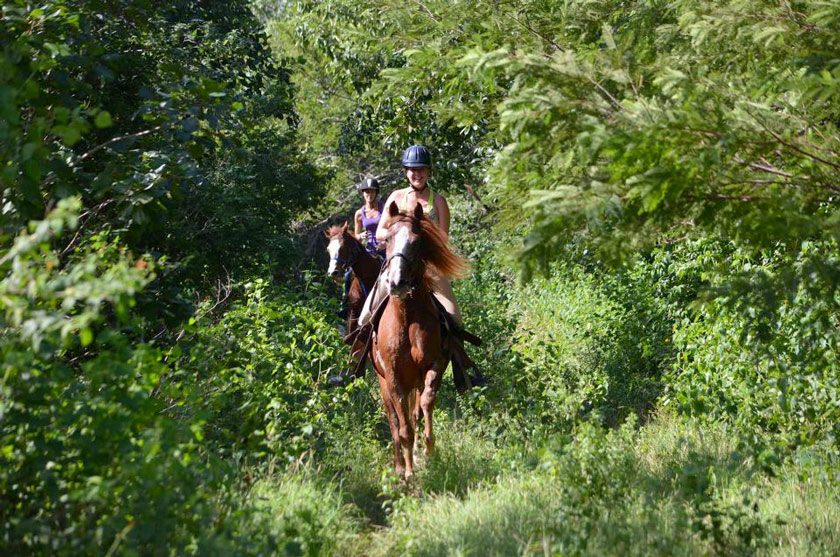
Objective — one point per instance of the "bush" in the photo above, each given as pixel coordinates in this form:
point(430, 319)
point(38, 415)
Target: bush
point(262, 371)
point(588, 343)
point(762, 351)
point(92, 459)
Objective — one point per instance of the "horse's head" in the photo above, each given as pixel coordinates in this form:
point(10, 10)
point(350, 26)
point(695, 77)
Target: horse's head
point(403, 255)
point(414, 245)
point(342, 249)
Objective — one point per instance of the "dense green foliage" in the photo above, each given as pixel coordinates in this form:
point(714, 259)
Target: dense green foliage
point(667, 383)
point(699, 135)
point(128, 128)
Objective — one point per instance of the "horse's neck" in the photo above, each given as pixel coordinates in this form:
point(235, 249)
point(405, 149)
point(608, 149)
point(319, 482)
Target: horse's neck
point(419, 299)
point(366, 266)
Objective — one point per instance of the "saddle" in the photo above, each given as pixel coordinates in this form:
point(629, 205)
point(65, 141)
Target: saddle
point(453, 342)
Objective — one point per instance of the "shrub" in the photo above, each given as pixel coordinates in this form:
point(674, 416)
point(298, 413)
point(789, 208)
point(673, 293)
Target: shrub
point(91, 458)
point(588, 343)
point(763, 350)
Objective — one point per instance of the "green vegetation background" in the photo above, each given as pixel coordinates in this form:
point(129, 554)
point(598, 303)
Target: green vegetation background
point(647, 192)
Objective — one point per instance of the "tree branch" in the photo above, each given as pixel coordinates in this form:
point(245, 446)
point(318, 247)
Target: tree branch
point(116, 140)
point(793, 146)
point(428, 12)
point(768, 168)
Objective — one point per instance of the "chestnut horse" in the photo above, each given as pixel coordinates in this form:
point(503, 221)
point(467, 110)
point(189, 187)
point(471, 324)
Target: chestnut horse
point(408, 350)
point(346, 251)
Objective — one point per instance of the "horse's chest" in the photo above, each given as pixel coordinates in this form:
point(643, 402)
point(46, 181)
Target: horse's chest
point(410, 347)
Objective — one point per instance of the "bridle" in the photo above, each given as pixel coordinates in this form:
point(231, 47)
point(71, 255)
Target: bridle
point(409, 262)
point(394, 256)
point(348, 263)
point(345, 263)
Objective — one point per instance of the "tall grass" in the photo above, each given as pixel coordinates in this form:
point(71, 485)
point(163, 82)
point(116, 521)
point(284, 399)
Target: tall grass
point(668, 489)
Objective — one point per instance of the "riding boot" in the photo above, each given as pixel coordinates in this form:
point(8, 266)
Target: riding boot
point(462, 362)
point(339, 380)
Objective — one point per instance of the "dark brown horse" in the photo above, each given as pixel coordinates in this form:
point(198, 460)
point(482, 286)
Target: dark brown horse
point(347, 252)
point(408, 350)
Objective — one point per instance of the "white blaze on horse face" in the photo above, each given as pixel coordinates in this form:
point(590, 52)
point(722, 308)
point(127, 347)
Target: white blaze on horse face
point(332, 250)
point(398, 269)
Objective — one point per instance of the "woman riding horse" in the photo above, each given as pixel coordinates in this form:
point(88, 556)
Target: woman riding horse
point(410, 351)
point(366, 221)
point(417, 166)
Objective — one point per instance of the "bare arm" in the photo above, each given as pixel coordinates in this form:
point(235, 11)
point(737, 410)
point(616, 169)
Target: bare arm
point(442, 208)
point(358, 229)
point(385, 220)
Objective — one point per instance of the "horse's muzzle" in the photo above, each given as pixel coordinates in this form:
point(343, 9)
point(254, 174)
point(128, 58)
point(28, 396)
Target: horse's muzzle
point(398, 289)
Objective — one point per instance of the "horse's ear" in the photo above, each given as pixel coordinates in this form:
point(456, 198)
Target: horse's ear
point(344, 227)
point(418, 212)
point(393, 210)
point(327, 232)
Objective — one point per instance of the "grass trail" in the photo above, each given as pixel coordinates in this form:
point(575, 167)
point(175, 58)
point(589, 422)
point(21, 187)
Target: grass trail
point(667, 488)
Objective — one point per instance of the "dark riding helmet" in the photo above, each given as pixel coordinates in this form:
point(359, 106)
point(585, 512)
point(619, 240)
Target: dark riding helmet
point(368, 184)
point(417, 156)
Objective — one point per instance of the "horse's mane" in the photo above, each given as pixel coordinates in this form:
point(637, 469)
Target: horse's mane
point(437, 255)
point(335, 230)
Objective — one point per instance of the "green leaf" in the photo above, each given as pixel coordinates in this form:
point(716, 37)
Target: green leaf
point(103, 119)
point(86, 336)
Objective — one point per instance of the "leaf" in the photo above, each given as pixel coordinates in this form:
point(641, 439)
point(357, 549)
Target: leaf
point(86, 336)
point(607, 35)
point(769, 34)
point(103, 119)
point(190, 125)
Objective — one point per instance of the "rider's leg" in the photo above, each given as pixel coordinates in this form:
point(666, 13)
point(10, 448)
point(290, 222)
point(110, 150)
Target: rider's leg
point(380, 290)
point(347, 279)
point(445, 295)
point(460, 360)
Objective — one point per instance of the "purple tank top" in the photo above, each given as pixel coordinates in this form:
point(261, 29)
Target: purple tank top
point(370, 225)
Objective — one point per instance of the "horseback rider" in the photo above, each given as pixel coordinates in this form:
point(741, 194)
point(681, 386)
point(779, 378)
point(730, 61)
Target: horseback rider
point(366, 221)
point(367, 218)
point(417, 166)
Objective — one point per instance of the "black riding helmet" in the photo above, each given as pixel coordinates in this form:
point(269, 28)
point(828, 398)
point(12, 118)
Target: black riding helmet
point(417, 156)
point(368, 184)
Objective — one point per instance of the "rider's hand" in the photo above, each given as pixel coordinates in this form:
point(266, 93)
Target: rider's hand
point(362, 236)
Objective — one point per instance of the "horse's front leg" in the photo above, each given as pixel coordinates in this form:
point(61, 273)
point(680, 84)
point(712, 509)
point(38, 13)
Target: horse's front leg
point(406, 433)
point(393, 424)
point(427, 403)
